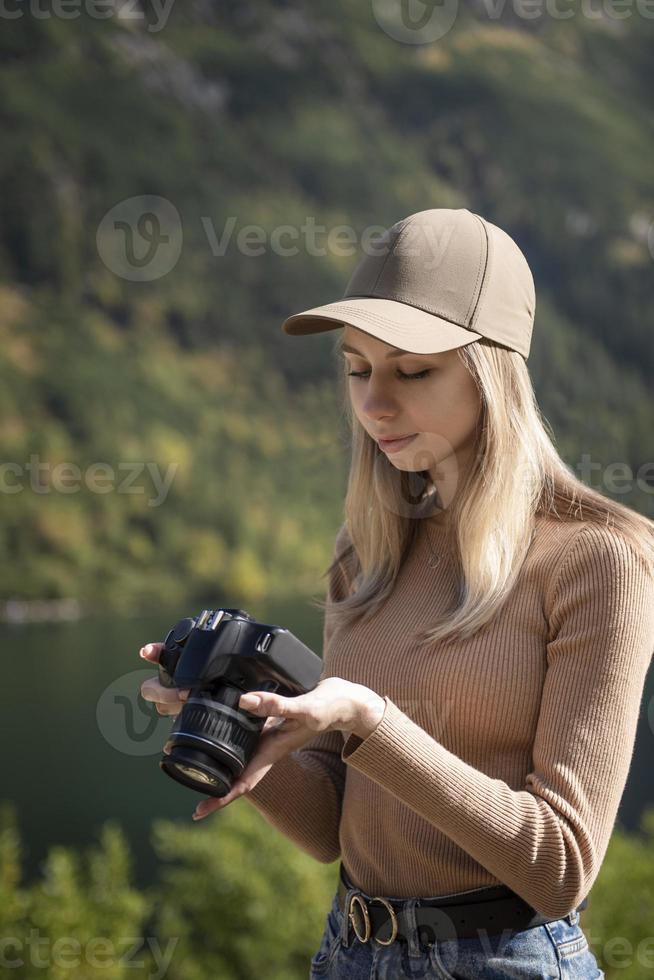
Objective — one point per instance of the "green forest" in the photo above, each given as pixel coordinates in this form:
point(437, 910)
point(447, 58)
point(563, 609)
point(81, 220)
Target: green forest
point(165, 438)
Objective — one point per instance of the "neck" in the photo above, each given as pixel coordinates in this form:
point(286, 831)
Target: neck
point(430, 508)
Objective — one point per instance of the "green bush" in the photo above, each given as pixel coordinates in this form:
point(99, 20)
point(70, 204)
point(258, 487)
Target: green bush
point(619, 919)
point(235, 900)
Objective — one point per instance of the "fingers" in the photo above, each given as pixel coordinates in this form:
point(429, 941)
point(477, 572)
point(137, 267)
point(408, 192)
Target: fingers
point(265, 703)
point(151, 651)
point(169, 709)
point(246, 781)
point(278, 739)
point(168, 700)
point(205, 807)
point(153, 690)
point(288, 723)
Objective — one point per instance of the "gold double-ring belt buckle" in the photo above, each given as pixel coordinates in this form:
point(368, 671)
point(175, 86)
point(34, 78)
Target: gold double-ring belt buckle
point(387, 942)
point(366, 918)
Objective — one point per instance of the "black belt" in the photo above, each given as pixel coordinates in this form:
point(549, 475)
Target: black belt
point(488, 911)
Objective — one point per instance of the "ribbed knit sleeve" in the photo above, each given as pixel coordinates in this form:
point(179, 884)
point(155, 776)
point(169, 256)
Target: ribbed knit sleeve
point(301, 795)
point(547, 840)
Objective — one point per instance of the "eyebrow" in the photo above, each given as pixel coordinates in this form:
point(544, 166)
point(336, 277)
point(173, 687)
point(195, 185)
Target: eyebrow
point(393, 353)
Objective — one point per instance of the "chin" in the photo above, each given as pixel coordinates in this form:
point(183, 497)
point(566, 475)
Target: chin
point(407, 467)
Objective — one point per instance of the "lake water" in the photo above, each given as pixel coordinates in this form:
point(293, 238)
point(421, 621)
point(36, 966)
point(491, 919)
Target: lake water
point(79, 746)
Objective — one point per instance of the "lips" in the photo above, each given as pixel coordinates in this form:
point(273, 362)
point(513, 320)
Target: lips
point(394, 445)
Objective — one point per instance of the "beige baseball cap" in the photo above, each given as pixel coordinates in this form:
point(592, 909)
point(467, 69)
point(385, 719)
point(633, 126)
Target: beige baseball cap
point(435, 280)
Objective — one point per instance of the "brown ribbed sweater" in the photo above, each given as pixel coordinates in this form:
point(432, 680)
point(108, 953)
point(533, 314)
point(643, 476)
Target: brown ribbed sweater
point(500, 759)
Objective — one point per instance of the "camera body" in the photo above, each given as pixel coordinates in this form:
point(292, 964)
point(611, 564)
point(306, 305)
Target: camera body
point(220, 655)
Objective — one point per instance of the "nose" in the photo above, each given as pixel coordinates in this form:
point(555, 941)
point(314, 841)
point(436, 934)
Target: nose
point(377, 403)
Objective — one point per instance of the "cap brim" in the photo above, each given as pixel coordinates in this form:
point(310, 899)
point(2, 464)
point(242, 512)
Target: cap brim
point(398, 324)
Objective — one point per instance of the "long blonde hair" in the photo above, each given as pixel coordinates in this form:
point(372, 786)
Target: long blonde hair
point(516, 474)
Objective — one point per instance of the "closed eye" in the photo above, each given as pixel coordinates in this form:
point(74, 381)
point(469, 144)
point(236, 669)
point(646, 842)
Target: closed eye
point(402, 375)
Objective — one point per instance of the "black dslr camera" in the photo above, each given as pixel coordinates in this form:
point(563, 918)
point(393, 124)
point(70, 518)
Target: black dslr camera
point(220, 655)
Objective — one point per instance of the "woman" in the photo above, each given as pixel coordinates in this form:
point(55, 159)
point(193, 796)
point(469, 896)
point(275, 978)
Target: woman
point(488, 628)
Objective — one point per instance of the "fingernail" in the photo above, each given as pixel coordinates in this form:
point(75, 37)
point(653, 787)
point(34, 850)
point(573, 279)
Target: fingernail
point(251, 701)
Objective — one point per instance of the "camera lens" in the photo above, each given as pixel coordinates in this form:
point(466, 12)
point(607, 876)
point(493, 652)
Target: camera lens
point(211, 741)
point(192, 772)
point(196, 769)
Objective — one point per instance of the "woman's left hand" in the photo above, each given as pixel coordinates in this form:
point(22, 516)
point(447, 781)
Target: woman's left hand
point(333, 705)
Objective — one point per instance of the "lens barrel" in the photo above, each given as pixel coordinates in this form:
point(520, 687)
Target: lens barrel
point(211, 741)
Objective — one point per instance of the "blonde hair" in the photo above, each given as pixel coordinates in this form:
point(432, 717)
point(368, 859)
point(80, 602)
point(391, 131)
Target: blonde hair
point(515, 475)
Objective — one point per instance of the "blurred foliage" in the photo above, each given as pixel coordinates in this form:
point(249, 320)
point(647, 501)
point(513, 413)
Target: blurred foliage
point(244, 901)
point(619, 918)
point(234, 901)
point(184, 475)
point(78, 918)
point(271, 114)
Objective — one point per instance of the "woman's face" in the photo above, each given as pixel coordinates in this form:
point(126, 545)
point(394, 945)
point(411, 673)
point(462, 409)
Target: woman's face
point(440, 407)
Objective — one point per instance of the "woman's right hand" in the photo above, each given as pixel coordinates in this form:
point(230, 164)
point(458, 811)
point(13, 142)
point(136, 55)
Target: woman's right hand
point(167, 700)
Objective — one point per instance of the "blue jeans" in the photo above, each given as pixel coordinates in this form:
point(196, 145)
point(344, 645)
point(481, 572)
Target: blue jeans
point(554, 951)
